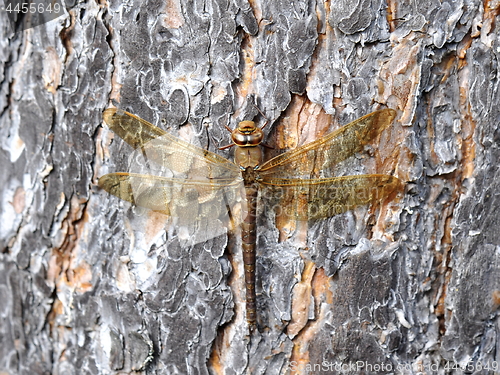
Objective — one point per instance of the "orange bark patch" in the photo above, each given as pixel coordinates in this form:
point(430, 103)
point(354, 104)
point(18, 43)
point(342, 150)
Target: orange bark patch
point(19, 200)
point(301, 297)
point(323, 298)
point(174, 18)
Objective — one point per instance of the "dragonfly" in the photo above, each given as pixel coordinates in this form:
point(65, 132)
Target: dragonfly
point(202, 191)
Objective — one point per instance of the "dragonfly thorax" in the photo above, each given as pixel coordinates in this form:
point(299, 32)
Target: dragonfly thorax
point(247, 134)
point(246, 157)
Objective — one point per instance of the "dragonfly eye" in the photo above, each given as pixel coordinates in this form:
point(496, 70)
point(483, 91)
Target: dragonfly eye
point(247, 134)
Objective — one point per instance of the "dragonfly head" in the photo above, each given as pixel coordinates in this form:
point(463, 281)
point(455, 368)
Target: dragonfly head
point(247, 134)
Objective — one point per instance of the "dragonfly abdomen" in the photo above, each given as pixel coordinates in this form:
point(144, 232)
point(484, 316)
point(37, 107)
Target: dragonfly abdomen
point(248, 239)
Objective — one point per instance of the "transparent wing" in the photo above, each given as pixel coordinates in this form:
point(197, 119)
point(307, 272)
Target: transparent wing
point(320, 198)
point(200, 209)
point(178, 198)
point(132, 129)
point(321, 155)
point(197, 188)
point(170, 153)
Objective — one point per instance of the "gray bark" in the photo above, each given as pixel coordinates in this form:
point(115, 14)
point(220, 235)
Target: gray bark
point(91, 285)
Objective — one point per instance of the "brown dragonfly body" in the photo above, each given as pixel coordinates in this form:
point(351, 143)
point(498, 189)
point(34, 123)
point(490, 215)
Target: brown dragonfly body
point(248, 155)
point(199, 187)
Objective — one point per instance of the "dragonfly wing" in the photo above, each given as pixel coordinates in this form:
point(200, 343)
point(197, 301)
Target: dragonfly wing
point(195, 187)
point(132, 129)
point(171, 154)
point(326, 152)
point(203, 207)
point(324, 197)
point(178, 159)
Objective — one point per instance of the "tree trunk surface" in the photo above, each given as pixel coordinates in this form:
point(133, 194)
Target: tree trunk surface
point(92, 285)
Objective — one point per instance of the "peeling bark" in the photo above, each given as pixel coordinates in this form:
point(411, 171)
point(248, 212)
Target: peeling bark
point(92, 285)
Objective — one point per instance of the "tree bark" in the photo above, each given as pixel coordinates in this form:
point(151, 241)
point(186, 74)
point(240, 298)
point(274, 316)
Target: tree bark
point(89, 284)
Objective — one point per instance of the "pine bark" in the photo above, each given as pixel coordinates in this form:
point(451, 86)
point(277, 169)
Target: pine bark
point(91, 285)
